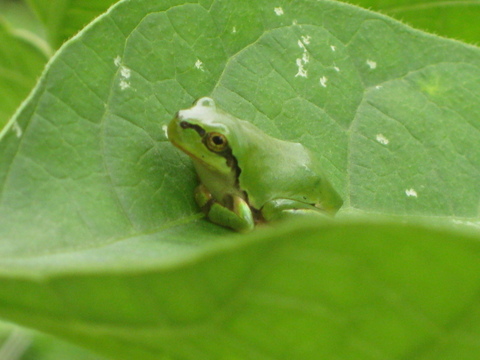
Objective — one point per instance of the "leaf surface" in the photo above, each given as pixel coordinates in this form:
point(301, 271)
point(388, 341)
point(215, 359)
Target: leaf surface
point(350, 291)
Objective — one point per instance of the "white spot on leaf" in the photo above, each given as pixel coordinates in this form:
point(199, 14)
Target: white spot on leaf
point(382, 139)
point(333, 47)
point(125, 72)
point(301, 70)
point(411, 193)
point(124, 84)
point(278, 11)
point(294, 22)
point(305, 59)
point(336, 68)
point(234, 30)
point(17, 129)
point(306, 39)
point(378, 87)
point(199, 65)
point(371, 64)
point(117, 61)
point(301, 45)
point(323, 81)
point(165, 128)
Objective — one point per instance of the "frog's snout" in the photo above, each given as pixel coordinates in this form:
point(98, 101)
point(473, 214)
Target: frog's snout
point(179, 115)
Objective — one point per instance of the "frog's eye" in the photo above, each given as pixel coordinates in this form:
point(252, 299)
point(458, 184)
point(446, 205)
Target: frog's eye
point(216, 142)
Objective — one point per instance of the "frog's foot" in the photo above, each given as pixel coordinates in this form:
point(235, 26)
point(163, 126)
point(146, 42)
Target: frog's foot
point(202, 196)
point(280, 209)
point(238, 216)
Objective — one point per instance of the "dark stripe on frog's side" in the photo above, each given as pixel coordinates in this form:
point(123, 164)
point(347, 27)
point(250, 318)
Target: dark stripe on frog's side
point(233, 163)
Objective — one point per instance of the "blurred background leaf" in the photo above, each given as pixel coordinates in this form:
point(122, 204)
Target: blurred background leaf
point(64, 18)
point(21, 62)
point(18, 343)
point(456, 19)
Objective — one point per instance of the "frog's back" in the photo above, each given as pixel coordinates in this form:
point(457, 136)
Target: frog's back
point(276, 169)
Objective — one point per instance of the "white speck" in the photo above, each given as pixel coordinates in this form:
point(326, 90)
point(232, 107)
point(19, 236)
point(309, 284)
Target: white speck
point(336, 68)
point(165, 128)
point(301, 70)
point(199, 65)
point(411, 193)
point(117, 61)
point(278, 11)
point(125, 72)
point(305, 59)
point(382, 139)
point(234, 30)
point(323, 81)
point(124, 84)
point(294, 22)
point(306, 39)
point(333, 47)
point(371, 64)
point(17, 129)
point(301, 45)
point(378, 87)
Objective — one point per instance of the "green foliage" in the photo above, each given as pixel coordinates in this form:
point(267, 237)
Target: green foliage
point(64, 18)
point(21, 62)
point(101, 242)
point(456, 19)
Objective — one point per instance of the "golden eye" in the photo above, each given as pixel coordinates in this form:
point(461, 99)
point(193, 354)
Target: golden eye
point(216, 141)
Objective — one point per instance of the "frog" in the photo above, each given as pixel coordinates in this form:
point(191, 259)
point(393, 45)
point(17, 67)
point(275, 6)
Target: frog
point(248, 177)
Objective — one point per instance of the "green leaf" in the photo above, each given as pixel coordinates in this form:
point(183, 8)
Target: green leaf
point(21, 344)
point(21, 62)
point(20, 16)
point(64, 18)
point(101, 241)
point(455, 19)
point(337, 292)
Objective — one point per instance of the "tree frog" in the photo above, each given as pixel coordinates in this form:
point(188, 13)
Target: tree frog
point(246, 176)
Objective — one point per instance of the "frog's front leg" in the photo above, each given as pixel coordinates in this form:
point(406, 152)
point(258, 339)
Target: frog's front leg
point(280, 209)
point(237, 216)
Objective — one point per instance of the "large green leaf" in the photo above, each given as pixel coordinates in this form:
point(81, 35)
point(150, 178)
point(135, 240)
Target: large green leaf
point(456, 19)
point(337, 292)
point(102, 243)
point(64, 18)
point(21, 62)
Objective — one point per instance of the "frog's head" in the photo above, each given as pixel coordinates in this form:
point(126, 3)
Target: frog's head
point(202, 132)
